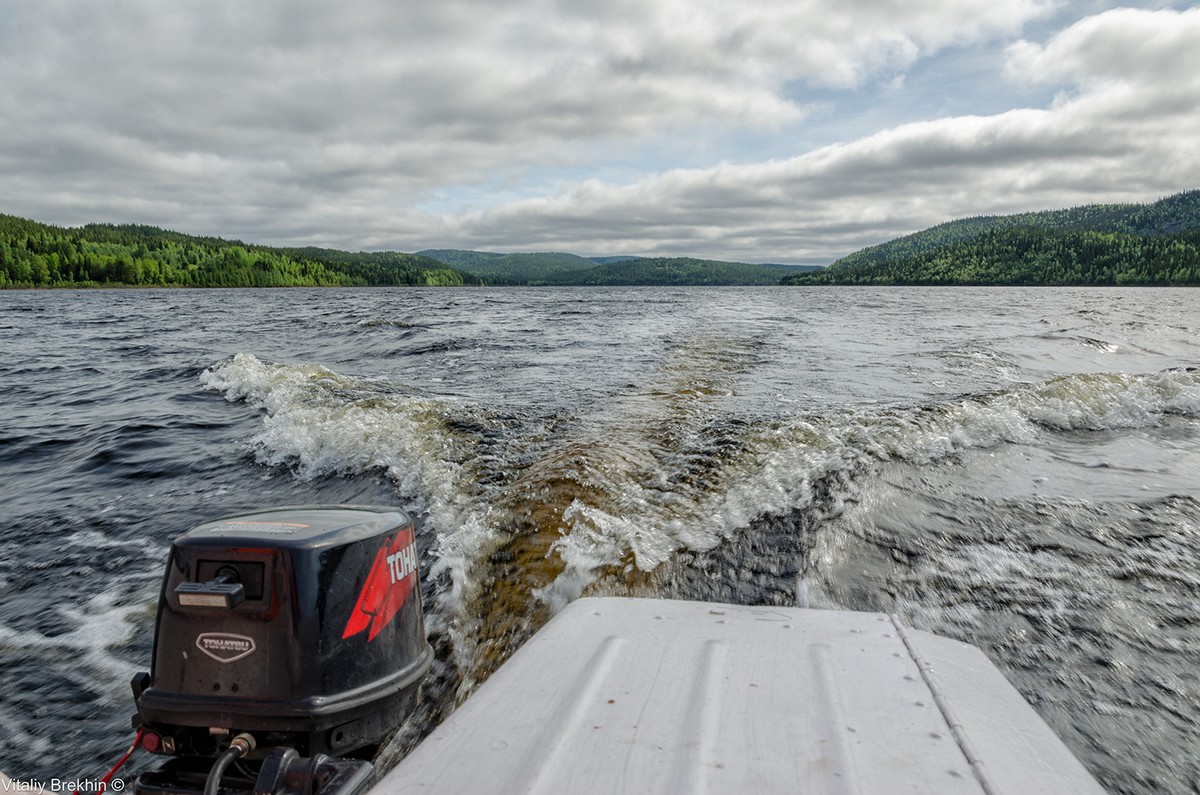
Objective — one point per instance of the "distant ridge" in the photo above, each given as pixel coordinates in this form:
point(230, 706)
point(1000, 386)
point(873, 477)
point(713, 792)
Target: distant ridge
point(1152, 244)
point(494, 268)
point(611, 260)
point(559, 269)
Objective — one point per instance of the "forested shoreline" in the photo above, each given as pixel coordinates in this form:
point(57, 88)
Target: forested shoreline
point(1100, 244)
point(35, 255)
point(1028, 256)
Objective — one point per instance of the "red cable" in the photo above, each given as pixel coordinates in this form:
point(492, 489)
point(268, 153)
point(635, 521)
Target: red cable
point(108, 776)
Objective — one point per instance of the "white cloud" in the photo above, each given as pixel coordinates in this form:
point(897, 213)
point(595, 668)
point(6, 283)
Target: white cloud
point(1124, 129)
point(1154, 49)
point(303, 122)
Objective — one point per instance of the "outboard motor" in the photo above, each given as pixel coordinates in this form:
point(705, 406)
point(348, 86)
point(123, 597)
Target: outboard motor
point(289, 644)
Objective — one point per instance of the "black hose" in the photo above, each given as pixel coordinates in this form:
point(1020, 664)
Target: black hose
point(241, 745)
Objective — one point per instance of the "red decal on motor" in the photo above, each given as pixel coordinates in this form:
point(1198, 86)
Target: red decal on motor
point(392, 577)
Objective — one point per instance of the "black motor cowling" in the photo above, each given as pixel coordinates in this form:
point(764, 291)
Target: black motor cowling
point(299, 626)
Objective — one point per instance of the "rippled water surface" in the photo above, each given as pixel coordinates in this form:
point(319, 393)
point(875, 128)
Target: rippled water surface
point(1016, 468)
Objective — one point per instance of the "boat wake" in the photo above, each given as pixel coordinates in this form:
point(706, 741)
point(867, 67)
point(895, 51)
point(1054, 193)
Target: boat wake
point(662, 489)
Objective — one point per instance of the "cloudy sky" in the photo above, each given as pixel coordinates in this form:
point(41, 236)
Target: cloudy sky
point(756, 130)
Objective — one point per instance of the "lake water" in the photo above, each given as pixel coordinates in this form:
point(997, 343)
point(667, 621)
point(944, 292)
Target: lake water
point(1016, 468)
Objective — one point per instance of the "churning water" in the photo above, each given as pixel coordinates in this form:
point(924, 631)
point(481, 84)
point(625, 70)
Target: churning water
point(1016, 468)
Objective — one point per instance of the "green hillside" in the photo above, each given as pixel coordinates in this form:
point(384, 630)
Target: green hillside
point(676, 271)
point(494, 268)
point(1152, 244)
point(611, 260)
point(569, 269)
point(39, 255)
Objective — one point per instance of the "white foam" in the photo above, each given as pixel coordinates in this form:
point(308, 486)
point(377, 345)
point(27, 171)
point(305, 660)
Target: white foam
point(97, 628)
point(1093, 402)
point(20, 740)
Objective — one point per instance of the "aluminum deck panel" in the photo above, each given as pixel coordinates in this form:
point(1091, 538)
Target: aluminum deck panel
point(653, 696)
